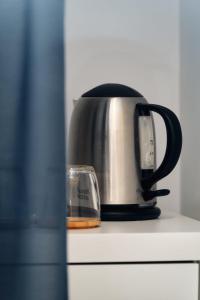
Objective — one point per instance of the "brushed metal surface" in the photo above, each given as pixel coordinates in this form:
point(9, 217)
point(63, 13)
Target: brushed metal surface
point(102, 135)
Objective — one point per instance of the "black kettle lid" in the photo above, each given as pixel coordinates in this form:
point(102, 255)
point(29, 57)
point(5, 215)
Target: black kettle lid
point(112, 90)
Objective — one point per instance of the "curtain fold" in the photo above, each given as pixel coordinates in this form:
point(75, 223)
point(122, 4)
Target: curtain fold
point(32, 151)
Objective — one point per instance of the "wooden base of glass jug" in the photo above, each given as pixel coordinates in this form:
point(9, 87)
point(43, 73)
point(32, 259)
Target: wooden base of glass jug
point(78, 223)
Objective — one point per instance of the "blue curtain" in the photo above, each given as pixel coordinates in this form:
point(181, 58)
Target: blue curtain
point(32, 151)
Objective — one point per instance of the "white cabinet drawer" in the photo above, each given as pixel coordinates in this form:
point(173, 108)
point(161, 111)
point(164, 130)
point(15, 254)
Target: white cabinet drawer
point(173, 281)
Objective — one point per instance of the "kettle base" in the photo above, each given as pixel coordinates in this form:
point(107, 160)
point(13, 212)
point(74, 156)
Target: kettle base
point(130, 212)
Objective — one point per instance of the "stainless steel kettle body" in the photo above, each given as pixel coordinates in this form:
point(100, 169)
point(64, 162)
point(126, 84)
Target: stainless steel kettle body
point(116, 135)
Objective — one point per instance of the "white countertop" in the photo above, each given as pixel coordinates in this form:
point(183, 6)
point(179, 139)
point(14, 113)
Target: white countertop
point(170, 238)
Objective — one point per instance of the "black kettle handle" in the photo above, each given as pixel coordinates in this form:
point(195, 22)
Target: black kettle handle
point(173, 148)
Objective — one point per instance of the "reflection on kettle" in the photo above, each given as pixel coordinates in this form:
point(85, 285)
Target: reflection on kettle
point(112, 129)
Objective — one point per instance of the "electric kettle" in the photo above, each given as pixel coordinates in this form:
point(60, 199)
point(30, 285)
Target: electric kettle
point(112, 129)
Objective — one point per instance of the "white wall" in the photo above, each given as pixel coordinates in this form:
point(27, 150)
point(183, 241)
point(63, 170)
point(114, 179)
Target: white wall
point(133, 42)
point(190, 106)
